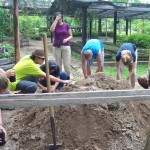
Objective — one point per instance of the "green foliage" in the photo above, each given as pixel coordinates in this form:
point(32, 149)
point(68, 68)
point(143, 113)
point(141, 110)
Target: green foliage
point(30, 25)
point(6, 27)
point(10, 51)
point(141, 40)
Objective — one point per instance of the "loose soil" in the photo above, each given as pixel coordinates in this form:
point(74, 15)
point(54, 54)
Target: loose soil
point(117, 126)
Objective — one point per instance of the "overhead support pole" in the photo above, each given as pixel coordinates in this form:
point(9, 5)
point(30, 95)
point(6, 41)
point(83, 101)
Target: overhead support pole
point(106, 28)
point(119, 26)
point(51, 21)
point(100, 27)
point(16, 31)
point(130, 27)
point(115, 27)
point(84, 24)
point(143, 26)
point(90, 28)
point(127, 22)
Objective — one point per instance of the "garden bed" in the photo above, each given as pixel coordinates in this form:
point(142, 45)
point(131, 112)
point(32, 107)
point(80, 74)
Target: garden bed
point(6, 63)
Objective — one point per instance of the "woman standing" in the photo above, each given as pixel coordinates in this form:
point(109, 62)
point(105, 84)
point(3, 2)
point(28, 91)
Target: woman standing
point(62, 36)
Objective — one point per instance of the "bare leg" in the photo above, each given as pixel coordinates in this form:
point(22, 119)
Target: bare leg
point(88, 70)
point(133, 80)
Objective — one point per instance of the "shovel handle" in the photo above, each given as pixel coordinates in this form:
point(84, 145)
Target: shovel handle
point(51, 109)
point(46, 62)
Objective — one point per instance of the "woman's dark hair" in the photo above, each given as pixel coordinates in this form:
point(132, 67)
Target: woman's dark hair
point(32, 57)
point(57, 13)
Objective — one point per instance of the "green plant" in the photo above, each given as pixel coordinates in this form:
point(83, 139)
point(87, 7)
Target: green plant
point(6, 27)
point(141, 40)
point(30, 25)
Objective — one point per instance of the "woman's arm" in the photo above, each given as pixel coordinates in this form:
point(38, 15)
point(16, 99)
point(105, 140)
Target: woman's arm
point(9, 73)
point(53, 26)
point(55, 85)
point(54, 79)
point(41, 86)
point(118, 77)
point(69, 37)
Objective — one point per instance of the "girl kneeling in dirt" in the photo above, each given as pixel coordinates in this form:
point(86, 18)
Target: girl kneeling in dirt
point(3, 88)
point(93, 49)
point(127, 56)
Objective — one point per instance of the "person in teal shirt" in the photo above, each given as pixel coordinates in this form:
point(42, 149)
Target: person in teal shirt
point(28, 72)
point(93, 49)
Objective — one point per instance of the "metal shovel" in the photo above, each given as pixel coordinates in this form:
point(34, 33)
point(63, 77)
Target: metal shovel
point(51, 109)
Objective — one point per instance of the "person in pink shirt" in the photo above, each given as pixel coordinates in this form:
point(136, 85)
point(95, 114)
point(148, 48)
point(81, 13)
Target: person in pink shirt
point(62, 36)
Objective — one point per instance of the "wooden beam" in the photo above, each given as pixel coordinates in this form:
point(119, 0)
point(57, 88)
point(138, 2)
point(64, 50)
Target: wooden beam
point(73, 98)
point(16, 31)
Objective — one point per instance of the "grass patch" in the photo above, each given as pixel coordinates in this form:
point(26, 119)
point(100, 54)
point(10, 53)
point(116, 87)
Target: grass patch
point(140, 70)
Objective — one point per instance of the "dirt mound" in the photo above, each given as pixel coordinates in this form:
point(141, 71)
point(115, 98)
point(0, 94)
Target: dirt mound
point(85, 127)
point(98, 81)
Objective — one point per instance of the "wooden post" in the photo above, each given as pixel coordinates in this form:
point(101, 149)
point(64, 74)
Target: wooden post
point(16, 31)
point(127, 21)
point(106, 28)
point(84, 25)
point(115, 27)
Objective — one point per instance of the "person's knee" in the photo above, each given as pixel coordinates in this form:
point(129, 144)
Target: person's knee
point(34, 88)
point(64, 75)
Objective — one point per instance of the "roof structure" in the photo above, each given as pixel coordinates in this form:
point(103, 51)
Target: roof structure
point(30, 5)
point(105, 9)
point(41, 4)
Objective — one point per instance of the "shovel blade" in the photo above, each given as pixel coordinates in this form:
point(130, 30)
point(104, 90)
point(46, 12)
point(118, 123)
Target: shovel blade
point(53, 147)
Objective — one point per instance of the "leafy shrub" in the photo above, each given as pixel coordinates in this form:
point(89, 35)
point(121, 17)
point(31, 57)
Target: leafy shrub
point(30, 25)
point(140, 40)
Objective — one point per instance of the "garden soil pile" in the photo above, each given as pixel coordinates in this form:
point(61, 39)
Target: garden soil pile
point(117, 126)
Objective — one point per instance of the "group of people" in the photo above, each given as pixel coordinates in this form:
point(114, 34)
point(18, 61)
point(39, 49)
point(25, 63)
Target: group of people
point(30, 76)
point(126, 56)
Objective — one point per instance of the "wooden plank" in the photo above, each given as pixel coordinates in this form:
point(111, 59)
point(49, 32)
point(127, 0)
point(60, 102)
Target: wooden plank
point(16, 30)
point(73, 98)
point(4, 61)
point(6, 67)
